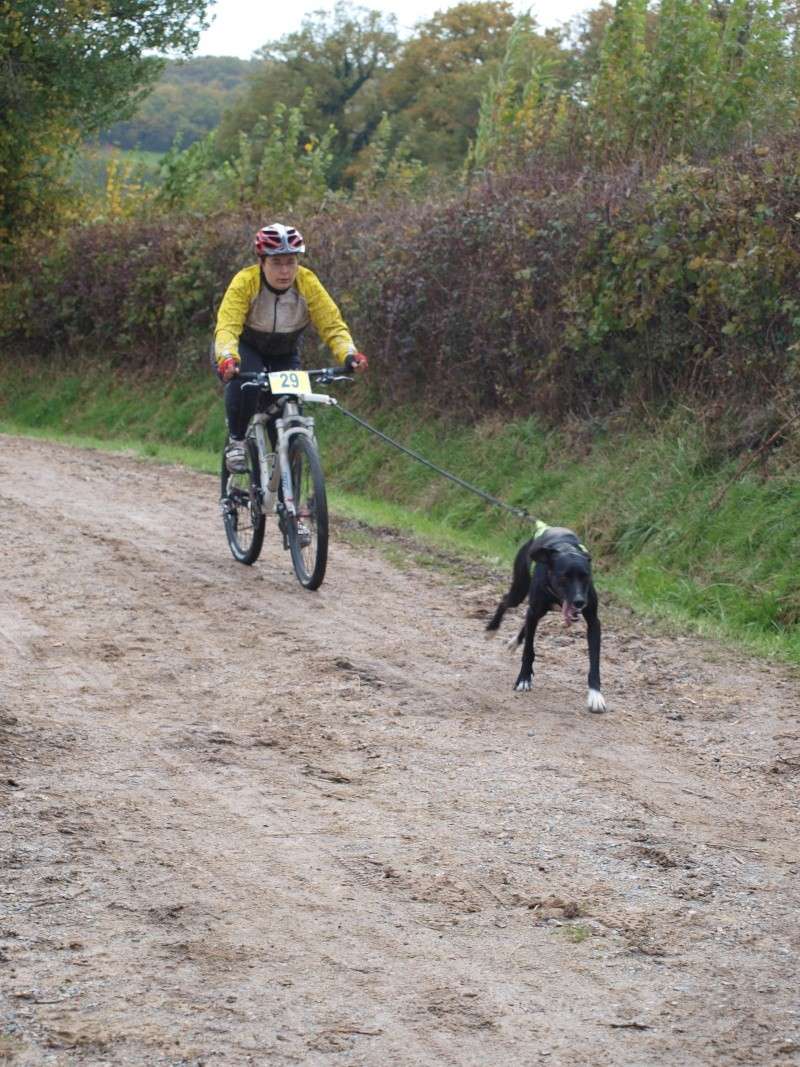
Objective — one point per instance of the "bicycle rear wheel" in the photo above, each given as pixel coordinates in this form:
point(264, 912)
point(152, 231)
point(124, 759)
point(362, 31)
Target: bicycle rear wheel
point(241, 508)
point(307, 530)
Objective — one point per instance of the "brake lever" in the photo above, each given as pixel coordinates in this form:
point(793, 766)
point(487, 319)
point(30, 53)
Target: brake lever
point(255, 383)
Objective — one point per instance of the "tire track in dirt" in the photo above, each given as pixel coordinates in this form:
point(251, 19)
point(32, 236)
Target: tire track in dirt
point(250, 824)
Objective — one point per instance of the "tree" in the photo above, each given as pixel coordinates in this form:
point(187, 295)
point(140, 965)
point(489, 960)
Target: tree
point(334, 63)
point(643, 82)
point(617, 90)
point(68, 69)
point(525, 104)
point(435, 88)
point(356, 69)
point(275, 169)
point(586, 35)
point(186, 104)
point(690, 76)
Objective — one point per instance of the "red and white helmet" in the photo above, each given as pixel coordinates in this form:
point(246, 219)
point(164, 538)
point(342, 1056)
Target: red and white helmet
point(276, 239)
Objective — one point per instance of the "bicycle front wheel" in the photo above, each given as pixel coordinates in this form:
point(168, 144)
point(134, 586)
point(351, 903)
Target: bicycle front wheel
point(307, 530)
point(241, 508)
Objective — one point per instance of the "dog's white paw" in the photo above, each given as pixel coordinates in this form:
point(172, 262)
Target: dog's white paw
point(523, 686)
point(512, 643)
point(595, 701)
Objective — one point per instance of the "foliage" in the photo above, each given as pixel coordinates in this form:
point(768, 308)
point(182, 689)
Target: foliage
point(433, 91)
point(126, 189)
point(619, 79)
point(523, 108)
point(330, 67)
point(351, 67)
point(186, 104)
point(346, 69)
point(131, 288)
point(553, 296)
point(646, 83)
point(550, 286)
point(387, 171)
point(696, 282)
point(91, 165)
point(66, 70)
point(705, 74)
point(278, 165)
point(194, 176)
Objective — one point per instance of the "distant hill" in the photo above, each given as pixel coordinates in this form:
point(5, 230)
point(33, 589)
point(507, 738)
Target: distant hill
point(188, 101)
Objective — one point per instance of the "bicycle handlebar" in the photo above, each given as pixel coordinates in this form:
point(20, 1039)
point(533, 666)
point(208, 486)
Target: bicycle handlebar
point(323, 375)
point(326, 375)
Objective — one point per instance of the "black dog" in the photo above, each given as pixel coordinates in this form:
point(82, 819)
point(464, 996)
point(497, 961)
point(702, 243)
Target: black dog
point(562, 575)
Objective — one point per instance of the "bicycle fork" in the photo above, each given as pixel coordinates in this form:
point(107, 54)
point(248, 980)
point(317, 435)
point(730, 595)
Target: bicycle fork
point(291, 424)
point(274, 468)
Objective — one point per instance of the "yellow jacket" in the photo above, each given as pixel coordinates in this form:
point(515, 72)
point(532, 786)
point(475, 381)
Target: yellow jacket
point(273, 322)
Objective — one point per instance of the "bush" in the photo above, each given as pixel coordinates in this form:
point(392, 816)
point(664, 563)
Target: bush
point(536, 293)
point(132, 289)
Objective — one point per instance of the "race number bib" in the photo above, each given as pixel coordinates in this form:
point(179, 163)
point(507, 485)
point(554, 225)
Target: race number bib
point(290, 381)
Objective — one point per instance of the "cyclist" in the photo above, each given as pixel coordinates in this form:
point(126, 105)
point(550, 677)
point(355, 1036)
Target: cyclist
point(260, 326)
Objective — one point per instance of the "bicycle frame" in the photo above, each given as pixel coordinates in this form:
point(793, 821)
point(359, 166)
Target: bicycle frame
point(290, 423)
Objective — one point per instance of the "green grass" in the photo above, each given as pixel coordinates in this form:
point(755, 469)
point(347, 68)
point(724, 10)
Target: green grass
point(641, 501)
point(90, 166)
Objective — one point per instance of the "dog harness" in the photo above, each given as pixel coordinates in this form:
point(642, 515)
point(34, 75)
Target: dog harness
point(546, 538)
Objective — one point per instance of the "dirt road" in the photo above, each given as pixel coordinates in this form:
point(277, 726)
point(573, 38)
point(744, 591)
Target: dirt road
point(245, 824)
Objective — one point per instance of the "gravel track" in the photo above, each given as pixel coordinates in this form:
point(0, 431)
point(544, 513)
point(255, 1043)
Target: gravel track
point(241, 823)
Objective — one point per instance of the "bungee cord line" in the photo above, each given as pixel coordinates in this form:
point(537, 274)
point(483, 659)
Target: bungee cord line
point(521, 513)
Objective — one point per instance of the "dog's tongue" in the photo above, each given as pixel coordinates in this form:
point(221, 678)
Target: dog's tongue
point(569, 614)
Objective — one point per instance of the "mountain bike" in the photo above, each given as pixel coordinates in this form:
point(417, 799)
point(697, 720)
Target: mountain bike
point(284, 473)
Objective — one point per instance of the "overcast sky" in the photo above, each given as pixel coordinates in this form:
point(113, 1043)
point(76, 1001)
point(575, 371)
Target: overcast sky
point(242, 26)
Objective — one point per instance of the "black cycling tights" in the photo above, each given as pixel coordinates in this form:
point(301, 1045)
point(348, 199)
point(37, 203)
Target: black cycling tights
point(240, 404)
